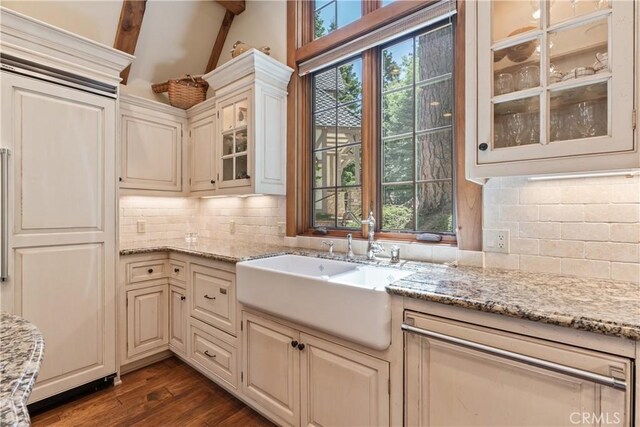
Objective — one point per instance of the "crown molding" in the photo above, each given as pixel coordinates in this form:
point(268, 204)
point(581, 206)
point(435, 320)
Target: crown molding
point(29, 39)
point(252, 63)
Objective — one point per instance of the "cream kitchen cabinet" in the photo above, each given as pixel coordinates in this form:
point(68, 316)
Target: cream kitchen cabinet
point(300, 379)
point(147, 320)
point(460, 374)
point(59, 219)
point(550, 87)
point(202, 146)
point(251, 92)
point(178, 320)
point(151, 141)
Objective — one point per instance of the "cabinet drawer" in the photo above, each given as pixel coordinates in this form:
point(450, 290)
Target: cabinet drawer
point(213, 297)
point(177, 270)
point(215, 355)
point(146, 270)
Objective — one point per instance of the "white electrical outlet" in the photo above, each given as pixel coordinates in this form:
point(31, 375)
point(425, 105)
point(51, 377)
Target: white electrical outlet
point(142, 226)
point(232, 227)
point(282, 228)
point(496, 241)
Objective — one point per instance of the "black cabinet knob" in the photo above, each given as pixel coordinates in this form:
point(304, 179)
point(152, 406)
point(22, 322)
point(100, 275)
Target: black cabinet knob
point(176, 270)
point(182, 298)
point(483, 146)
point(213, 181)
point(150, 270)
point(294, 343)
point(120, 178)
point(300, 346)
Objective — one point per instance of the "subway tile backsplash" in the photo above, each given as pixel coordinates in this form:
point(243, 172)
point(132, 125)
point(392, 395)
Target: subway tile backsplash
point(588, 227)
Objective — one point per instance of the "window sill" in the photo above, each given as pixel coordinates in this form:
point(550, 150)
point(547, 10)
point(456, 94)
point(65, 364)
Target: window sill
point(449, 241)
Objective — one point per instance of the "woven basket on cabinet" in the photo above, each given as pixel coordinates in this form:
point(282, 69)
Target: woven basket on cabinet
point(185, 92)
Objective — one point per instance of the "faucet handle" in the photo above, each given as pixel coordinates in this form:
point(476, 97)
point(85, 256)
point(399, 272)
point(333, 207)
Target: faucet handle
point(377, 247)
point(330, 243)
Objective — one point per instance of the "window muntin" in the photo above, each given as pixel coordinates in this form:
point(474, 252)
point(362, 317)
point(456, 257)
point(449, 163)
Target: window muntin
point(337, 146)
point(416, 129)
point(333, 14)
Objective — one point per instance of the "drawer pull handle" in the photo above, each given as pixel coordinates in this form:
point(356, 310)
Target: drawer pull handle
point(208, 297)
point(616, 383)
point(182, 298)
point(150, 270)
point(294, 343)
point(176, 270)
point(213, 356)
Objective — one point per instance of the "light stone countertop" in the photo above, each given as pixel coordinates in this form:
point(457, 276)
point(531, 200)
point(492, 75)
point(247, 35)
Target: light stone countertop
point(21, 351)
point(596, 305)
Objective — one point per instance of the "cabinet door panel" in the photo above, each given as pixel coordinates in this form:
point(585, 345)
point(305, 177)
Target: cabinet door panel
point(235, 146)
point(213, 297)
point(342, 387)
point(147, 320)
point(178, 315)
point(203, 171)
point(151, 153)
point(67, 304)
point(52, 159)
point(62, 170)
point(271, 367)
point(447, 384)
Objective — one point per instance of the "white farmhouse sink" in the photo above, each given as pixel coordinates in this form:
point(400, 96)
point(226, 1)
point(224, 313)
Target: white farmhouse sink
point(343, 299)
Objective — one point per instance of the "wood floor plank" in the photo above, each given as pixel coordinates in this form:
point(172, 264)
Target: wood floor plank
point(167, 393)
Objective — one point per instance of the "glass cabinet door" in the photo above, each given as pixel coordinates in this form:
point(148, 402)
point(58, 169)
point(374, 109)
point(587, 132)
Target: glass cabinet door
point(555, 78)
point(234, 118)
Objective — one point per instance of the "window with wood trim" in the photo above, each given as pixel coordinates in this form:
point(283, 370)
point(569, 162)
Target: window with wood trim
point(380, 130)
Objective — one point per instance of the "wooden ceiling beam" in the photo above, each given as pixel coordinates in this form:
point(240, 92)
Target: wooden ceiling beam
point(234, 6)
point(128, 31)
point(220, 39)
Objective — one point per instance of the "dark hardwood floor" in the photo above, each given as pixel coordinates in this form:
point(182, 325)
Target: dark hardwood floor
point(167, 393)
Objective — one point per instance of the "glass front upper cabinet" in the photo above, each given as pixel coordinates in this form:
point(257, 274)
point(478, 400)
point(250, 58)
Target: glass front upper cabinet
point(555, 78)
point(234, 155)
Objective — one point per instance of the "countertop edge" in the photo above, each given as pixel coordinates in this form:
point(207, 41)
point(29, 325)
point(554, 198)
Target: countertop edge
point(14, 410)
point(558, 319)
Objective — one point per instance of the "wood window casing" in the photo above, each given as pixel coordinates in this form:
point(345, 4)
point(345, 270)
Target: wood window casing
point(301, 46)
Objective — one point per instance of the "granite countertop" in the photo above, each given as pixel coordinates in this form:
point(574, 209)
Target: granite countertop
point(21, 351)
point(595, 305)
point(219, 250)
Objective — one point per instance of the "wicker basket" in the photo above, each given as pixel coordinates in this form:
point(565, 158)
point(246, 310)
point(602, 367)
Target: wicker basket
point(185, 92)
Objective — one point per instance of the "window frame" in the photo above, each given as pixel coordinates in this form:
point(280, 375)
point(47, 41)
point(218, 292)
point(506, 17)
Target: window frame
point(301, 46)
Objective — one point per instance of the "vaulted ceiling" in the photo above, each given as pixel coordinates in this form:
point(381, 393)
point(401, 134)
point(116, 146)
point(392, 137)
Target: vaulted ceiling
point(176, 37)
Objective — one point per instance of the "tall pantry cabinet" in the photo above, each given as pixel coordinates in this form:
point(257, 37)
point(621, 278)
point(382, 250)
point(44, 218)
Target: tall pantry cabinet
point(59, 197)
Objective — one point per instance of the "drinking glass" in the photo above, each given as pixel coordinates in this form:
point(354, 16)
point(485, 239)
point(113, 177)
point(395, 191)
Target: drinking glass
point(586, 119)
point(503, 83)
point(516, 129)
point(528, 77)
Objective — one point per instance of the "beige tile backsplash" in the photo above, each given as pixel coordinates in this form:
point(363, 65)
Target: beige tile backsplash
point(256, 218)
point(587, 227)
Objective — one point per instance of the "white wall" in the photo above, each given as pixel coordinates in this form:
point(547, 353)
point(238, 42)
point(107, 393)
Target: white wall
point(263, 23)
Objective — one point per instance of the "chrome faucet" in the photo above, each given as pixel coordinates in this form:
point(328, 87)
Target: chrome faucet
point(330, 244)
point(373, 247)
point(349, 246)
